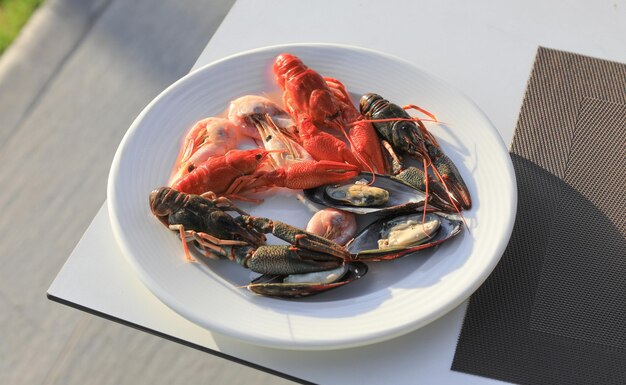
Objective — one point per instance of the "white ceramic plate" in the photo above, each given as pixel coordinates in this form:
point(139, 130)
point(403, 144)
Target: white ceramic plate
point(394, 297)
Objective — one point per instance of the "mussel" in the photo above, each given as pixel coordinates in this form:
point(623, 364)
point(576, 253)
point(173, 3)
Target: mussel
point(302, 285)
point(438, 227)
point(384, 196)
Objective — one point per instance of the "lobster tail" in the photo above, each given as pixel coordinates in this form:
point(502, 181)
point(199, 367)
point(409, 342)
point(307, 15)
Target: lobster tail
point(285, 66)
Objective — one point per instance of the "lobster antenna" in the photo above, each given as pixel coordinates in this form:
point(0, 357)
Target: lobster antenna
point(188, 148)
point(427, 133)
point(445, 186)
point(274, 130)
point(263, 132)
point(426, 166)
point(422, 110)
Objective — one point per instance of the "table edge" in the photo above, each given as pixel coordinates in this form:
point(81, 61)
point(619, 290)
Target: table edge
point(148, 330)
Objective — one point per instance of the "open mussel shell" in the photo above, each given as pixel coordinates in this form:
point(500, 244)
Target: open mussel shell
point(278, 285)
point(402, 198)
point(365, 247)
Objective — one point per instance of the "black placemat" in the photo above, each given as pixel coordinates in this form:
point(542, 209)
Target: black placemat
point(582, 289)
point(496, 340)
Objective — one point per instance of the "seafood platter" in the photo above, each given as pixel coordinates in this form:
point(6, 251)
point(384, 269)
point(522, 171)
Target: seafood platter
point(292, 193)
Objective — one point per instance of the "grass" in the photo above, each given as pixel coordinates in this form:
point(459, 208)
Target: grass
point(13, 15)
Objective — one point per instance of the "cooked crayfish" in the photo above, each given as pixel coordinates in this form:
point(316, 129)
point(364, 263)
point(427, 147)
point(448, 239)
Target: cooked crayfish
point(361, 132)
point(275, 127)
point(207, 138)
point(246, 171)
point(318, 104)
point(204, 222)
point(244, 110)
point(322, 145)
point(222, 174)
point(409, 135)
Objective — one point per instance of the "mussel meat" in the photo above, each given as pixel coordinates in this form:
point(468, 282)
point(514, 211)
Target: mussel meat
point(302, 285)
point(398, 233)
point(358, 194)
point(397, 196)
point(365, 246)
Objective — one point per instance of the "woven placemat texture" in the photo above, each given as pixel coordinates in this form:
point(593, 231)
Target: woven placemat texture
point(582, 289)
point(496, 339)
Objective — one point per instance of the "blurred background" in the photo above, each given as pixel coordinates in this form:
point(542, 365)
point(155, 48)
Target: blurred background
point(73, 76)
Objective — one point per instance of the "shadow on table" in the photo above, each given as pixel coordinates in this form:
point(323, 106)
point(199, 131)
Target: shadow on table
point(554, 299)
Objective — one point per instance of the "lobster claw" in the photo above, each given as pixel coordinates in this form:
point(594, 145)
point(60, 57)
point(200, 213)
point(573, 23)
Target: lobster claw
point(305, 175)
point(437, 194)
point(456, 192)
point(306, 253)
point(287, 259)
point(451, 183)
point(310, 265)
point(296, 237)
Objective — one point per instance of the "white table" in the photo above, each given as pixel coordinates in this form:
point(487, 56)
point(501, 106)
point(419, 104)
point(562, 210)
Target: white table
point(486, 49)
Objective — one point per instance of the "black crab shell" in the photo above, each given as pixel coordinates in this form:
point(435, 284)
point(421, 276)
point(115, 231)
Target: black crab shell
point(364, 246)
point(273, 286)
point(402, 198)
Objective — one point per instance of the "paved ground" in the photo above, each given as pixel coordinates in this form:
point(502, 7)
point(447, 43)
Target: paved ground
point(69, 87)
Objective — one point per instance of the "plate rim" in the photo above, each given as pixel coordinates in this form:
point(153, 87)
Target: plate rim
point(156, 289)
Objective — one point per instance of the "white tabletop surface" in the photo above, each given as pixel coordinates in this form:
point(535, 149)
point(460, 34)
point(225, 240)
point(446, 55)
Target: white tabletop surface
point(484, 48)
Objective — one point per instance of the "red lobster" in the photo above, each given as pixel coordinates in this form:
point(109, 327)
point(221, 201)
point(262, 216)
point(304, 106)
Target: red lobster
point(317, 103)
